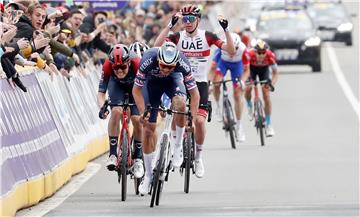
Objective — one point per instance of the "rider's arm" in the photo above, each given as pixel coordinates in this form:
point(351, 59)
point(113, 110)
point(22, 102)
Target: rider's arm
point(229, 45)
point(246, 63)
point(165, 32)
point(273, 65)
point(139, 99)
point(104, 81)
point(101, 98)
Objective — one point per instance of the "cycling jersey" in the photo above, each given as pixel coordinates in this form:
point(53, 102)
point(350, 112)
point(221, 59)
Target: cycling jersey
point(264, 60)
point(197, 50)
point(149, 69)
point(108, 72)
point(154, 84)
point(234, 63)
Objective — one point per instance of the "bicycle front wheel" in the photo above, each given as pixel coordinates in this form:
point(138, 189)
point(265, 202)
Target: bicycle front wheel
point(124, 165)
point(155, 193)
point(230, 122)
point(187, 161)
point(260, 121)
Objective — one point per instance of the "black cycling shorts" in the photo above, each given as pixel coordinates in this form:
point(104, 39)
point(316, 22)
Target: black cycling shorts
point(262, 72)
point(117, 94)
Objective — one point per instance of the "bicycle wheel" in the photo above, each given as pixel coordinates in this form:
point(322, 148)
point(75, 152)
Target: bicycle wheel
point(187, 161)
point(124, 166)
point(158, 192)
point(230, 122)
point(260, 121)
point(158, 169)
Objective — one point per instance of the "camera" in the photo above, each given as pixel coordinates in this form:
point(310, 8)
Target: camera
point(101, 20)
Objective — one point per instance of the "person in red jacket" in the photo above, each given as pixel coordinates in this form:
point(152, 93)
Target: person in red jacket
point(119, 72)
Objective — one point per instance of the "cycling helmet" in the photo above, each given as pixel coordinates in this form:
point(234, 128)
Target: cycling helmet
point(191, 10)
point(120, 54)
point(168, 54)
point(139, 48)
point(261, 45)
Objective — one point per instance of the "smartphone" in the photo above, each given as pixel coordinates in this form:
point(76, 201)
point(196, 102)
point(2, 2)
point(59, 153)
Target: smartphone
point(101, 20)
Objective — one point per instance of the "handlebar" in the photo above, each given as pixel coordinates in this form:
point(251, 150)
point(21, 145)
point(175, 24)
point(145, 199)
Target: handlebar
point(256, 82)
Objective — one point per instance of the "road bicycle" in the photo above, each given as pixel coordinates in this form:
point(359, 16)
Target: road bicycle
point(189, 147)
point(228, 117)
point(124, 162)
point(258, 113)
point(163, 160)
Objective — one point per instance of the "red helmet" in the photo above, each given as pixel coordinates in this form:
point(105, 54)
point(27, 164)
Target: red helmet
point(191, 10)
point(120, 54)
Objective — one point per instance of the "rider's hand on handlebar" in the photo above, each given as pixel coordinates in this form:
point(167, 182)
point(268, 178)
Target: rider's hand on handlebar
point(144, 118)
point(270, 85)
point(103, 113)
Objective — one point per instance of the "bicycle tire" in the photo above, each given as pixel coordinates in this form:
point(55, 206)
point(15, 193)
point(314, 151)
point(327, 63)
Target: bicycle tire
point(159, 167)
point(158, 192)
point(187, 161)
point(230, 121)
point(124, 166)
point(260, 121)
point(137, 182)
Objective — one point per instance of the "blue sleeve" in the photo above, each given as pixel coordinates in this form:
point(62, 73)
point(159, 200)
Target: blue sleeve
point(147, 62)
point(217, 55)
point(1, 52)
point(185, 68)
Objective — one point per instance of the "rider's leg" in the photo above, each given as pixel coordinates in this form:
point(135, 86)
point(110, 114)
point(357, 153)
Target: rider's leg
point(114, 129)
point(138, 168)
point(218, 77)
point(268, 105)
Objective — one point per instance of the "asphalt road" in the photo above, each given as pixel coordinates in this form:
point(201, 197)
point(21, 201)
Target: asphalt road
point(310, 168)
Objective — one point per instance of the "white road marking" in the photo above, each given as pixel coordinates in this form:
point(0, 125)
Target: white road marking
point(342, 81)
point(66, 191)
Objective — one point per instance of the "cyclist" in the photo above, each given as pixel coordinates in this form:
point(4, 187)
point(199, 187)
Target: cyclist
point(118, 76)
point(195, 44)
point(238, 65)
point(139, 48)
point(261, 59)
point(162, 70)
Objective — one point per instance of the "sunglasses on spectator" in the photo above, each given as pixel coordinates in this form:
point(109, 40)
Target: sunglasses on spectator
point(189, 18)
point(261, 52)
point(122, 67)
point(166, 66)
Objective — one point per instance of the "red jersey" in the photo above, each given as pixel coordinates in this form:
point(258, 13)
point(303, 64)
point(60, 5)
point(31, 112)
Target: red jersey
point(263, 60)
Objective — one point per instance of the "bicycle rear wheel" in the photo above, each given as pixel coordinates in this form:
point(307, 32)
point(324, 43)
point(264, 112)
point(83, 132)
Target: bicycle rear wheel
point(230, 122)
point(260, 121)
point(124, 165)
point(155, 193)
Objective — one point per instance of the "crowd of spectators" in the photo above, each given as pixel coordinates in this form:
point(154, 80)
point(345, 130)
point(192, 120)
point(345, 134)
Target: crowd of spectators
point(57, 38)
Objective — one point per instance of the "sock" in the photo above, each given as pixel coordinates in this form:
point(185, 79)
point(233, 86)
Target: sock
point(173, 137)
point(113, 140)
point(267, 119)
point(148, 158)
point(198, 151)
point(217, 104)
point(137, 150)
point(238, 124)
point(179, 135)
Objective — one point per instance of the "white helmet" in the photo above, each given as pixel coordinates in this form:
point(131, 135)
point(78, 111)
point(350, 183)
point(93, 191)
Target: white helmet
point(139, 48)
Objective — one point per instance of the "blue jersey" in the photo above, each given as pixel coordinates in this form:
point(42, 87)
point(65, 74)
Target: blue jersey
point(149, 69)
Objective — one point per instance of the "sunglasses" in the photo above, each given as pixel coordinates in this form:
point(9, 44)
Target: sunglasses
point(261, 52)
point(122, 66)
point(165, 66)
point(189, 19)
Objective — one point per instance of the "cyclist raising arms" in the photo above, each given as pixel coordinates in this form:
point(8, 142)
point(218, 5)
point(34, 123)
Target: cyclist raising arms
point(119, 72)
point(238, 65)
point(195, 45)
point(162, 70)
point(261, 58)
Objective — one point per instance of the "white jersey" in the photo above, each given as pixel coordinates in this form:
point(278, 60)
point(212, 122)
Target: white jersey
point(197, 50)
point(235, 58)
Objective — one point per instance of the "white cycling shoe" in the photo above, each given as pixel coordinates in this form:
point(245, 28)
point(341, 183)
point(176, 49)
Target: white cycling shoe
point(199, 168)
point(178, 156)
point(111, 162)
point(138, 168)
point(144, 187)
point(269, 131)
point(240, 133)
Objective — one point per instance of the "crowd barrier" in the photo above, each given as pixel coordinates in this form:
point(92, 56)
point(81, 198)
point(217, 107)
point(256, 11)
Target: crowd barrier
point(48, 134)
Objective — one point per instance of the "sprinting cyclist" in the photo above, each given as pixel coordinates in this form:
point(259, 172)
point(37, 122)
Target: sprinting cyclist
point(238, 65)
point(162, 70)
point(195, 44)
point(119, 72)
point(261, 59)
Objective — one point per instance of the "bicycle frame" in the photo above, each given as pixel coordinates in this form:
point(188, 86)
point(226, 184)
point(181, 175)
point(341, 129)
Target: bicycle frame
point(124, 127)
